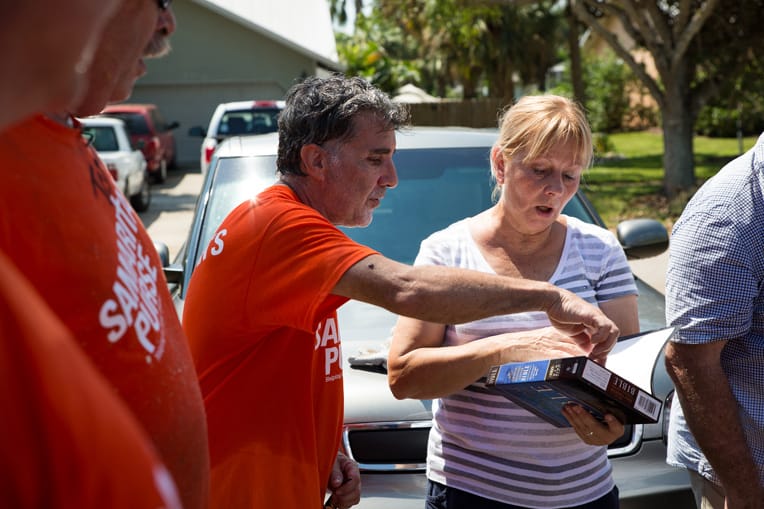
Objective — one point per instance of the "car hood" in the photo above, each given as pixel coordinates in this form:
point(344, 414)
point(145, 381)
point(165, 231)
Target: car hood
point(365, 331)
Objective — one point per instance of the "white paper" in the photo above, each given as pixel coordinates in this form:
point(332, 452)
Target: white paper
point(634, 358)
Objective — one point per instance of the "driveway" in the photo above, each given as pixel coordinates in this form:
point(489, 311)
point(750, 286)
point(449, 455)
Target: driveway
point(172, 206)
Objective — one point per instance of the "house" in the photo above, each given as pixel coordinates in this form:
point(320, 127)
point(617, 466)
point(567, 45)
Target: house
point(230, 50)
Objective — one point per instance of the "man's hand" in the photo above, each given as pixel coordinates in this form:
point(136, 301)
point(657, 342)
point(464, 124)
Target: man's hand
point(344, 484)
point(585, 323)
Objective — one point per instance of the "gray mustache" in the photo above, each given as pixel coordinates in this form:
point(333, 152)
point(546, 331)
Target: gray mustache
point(158, 46)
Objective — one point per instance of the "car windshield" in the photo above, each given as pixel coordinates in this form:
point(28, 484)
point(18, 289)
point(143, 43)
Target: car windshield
point(103, 138)
point(436, 187)
point(135, 122)
point(258, 121)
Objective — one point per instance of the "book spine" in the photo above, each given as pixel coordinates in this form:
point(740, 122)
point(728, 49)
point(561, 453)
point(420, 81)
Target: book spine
point(617, 388)
point(490, 379)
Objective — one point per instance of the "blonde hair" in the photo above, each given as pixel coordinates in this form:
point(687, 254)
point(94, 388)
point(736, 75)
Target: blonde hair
point(537, 123)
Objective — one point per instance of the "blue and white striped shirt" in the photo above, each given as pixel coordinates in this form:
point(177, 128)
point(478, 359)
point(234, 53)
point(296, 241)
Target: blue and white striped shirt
point(715, 291)
point(483, 443)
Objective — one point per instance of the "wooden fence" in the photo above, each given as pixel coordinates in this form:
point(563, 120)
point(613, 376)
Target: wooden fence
point(468, 113)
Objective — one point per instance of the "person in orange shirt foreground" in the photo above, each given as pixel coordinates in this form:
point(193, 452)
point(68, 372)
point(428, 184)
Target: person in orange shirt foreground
point(47, 47)
point(261, 316)
point(67, 440)
point(73, 234)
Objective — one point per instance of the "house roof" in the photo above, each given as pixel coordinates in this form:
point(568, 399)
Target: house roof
point(303, 25)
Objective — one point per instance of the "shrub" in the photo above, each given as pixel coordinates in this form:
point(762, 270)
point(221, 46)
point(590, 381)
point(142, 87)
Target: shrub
point(614, 97)
point(607, 100)
point(721, 122)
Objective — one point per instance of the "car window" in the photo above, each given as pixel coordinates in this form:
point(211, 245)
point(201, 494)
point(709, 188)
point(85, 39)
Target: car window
point(257, 121)
point(436, 187)
point(135, 122)
point(103, 138)
point(158, 120)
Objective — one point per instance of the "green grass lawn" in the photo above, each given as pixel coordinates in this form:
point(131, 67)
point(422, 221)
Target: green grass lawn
point(629, 184)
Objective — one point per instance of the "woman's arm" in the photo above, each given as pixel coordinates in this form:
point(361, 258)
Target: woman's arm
point(418, 366)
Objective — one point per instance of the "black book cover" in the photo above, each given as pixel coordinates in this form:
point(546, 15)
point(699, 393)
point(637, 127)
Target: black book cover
point(543, 387)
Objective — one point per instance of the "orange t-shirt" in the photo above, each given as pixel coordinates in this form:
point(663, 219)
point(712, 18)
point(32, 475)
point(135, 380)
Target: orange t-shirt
point(65, 440)
point(262, 325)
point(74, 236)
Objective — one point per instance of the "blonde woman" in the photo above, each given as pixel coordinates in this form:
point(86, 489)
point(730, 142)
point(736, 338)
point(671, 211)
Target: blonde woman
point(484, 451)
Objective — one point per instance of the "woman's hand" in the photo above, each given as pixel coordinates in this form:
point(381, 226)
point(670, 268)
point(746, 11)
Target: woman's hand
point(589, 429)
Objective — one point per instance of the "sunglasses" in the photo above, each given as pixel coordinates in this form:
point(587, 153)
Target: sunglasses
point(164, 4)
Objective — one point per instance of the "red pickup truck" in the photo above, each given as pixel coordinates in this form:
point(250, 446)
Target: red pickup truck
point(151, 134)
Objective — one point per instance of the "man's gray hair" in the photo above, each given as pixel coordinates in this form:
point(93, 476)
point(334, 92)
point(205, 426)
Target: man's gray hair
point(322, 109)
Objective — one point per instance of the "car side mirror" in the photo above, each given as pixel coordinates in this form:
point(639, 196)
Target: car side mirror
point(197, 131)
point(164, 253)
point(172, 272)
point(642, 238)
point(172, 125)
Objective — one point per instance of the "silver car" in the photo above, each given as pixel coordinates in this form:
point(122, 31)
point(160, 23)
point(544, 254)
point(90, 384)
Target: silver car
point(443, 176)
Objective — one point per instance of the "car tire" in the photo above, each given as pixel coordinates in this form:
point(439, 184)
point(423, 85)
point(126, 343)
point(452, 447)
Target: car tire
point(173, 164)
point(160, 176)
point(142, 199)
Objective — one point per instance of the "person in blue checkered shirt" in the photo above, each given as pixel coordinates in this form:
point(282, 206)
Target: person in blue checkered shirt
point(715, 298)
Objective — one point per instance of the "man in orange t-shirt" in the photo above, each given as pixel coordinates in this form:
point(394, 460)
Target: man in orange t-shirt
point(73, 234)
point(273, 379)
point(260, 312)
point(66, 441)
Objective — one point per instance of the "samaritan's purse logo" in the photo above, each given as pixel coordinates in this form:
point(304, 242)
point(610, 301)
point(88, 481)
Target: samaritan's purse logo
point(134, 305)
point(328, 339)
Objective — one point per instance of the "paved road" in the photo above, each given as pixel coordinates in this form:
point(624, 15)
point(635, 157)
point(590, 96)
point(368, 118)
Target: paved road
point(172, 205)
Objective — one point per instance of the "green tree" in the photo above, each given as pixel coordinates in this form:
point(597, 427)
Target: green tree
point(610, 83)
point(339, 9)
point(377, 50)
point(447, 38)
point(447, 45)
point(739, 112)
point(699, 47)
